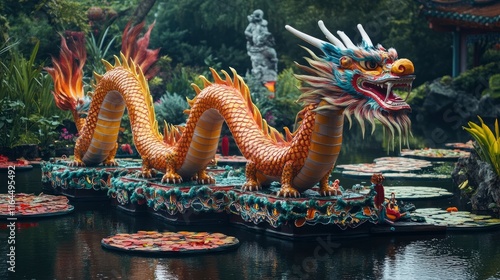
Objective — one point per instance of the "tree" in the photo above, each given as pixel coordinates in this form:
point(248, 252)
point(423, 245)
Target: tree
point(142, 11)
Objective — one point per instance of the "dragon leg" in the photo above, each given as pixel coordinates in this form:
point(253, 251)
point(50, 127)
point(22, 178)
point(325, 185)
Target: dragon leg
point(202, 177)
point(325, 189)
point(251, 174)
point(110, 160)
point(171, 176)
point(147, 171)
point(286, 182)
point(77, 159)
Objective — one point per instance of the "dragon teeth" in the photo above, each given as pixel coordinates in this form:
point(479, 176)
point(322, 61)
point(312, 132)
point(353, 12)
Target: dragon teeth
point(409, 91)
point(389, 87)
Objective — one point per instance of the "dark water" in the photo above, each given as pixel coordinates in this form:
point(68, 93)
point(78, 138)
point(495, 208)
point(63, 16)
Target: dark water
point(68, 247)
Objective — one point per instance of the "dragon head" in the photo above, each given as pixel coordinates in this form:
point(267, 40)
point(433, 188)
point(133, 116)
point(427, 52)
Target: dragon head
point(359, 80)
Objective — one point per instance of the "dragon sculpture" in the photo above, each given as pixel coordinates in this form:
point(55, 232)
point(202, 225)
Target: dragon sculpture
point(348, 80)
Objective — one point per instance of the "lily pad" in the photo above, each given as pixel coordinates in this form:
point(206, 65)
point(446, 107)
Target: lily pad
point(417, 192)
point(387, 164)
point(22, 205)
point(170, 243)
point(468, 146)
point(435, 154)
point(461, 220)
point(397, 176)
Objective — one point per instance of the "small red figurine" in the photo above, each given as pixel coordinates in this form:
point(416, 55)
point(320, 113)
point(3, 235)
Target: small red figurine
point(377, 180)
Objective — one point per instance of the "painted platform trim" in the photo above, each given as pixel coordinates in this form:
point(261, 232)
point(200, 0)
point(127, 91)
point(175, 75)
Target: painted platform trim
point(345, 213)
point(22, 205)
point(172, 199)
point(170, 243)
point(60, 176)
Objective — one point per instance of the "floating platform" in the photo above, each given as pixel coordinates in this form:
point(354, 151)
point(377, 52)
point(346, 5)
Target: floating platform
point(82, 183)
point(309, 215)
point(346, 215)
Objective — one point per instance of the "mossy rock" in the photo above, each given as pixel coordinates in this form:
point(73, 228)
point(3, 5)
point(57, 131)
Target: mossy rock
point(495, 82)
point(494, 87)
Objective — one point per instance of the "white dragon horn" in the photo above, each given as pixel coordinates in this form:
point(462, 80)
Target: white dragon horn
point(365, 36)
point(330, 36)
point(308, 38)
point(347, 42)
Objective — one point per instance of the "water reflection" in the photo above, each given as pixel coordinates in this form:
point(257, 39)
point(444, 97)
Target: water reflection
point(68, 247)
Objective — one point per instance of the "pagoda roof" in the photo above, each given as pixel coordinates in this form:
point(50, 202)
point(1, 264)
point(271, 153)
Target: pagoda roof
point(473, 16)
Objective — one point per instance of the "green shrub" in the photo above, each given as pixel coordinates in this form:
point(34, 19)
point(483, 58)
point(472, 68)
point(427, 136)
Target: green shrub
point(279, 109)
point(475, 80)
point(494, 87)
point(487, 143)
point(170, 108)
point(26, 102)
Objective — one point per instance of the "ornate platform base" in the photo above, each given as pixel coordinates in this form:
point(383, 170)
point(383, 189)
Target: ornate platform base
point(81, 183)
point(348, 215)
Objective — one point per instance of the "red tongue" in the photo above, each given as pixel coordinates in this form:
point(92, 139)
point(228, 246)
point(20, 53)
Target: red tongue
point(381, 92)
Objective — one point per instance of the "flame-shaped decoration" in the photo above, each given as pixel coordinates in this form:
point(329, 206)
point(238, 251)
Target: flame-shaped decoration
point(137, 49)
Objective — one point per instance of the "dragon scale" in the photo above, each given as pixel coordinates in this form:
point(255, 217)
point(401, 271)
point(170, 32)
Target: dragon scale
point(348, 81)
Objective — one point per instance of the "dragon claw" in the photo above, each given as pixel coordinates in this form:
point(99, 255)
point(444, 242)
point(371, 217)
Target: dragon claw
point(110, 163)
point(146, 174)
point(250, 186)
point(330, 191)
point(76, 163)
point(203, 179)
point(326, 193)
point(209, 180)
point(171, 178)
point(288, 191)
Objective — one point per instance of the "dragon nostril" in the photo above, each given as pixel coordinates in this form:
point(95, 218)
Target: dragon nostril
point(402, 66)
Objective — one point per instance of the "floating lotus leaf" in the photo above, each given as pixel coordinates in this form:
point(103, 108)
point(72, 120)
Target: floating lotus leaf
point(30, 205)
point(456, 220)
point(170, 242)
point(433, 154)
point(417, 192)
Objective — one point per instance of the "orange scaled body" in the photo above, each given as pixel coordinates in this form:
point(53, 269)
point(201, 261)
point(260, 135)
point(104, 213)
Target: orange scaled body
point(350, 81)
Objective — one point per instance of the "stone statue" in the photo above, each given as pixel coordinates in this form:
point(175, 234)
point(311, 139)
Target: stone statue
point(260, 44)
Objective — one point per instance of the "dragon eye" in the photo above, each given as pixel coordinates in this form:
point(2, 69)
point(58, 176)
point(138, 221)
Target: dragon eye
point(369, 64)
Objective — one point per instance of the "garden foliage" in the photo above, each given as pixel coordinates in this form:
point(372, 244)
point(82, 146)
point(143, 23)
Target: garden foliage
point(27, 111)
point(487, 143)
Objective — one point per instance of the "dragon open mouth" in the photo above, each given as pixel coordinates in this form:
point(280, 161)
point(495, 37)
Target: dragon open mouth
point(382, 91)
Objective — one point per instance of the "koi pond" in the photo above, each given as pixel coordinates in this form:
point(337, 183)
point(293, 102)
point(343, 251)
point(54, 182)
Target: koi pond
point(69, 246)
